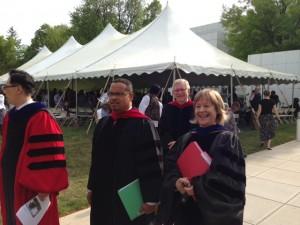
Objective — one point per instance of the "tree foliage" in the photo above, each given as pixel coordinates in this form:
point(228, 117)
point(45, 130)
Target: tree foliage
point(257, 26)
point(87, 21)
point(53, 37)
point(11, 51)
point(127, 16)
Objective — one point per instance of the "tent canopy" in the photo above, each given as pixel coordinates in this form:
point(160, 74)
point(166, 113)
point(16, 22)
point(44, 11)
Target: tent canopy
point(164, 44)
point(107, 41)
point(161, 46)
point(67, 49)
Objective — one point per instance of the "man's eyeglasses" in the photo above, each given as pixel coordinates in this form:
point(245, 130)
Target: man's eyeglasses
point(116, 94)
point(5, 86)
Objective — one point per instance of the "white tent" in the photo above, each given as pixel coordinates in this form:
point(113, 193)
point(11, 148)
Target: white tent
point(42, 54)
point(166, 42)
point(67, 49)
point(106, 42)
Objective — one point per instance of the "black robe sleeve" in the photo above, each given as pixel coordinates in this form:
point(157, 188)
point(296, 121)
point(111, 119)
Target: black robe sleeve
point(169, 195)
point(92, 174)
point(220, 193)
point(147, 162)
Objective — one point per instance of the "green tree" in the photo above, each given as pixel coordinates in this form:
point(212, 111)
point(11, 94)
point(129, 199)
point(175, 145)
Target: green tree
point(52, 37)
point(259, 26)
point(91, 17)
point(20, 49)
point(8, 59)
point(151, 12)
point(127, 16)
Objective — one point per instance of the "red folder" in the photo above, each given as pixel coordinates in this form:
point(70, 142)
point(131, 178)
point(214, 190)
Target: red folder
point(193, 161)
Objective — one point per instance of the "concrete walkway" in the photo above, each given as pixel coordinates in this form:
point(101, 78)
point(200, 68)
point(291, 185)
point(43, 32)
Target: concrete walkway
point(273, 189)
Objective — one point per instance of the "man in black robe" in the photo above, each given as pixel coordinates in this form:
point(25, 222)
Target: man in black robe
point(125, 148)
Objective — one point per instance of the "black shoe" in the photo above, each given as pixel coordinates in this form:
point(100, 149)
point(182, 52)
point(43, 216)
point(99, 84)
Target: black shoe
point(268, 148)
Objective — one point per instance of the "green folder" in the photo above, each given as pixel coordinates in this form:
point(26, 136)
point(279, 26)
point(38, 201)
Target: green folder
point(131, 198)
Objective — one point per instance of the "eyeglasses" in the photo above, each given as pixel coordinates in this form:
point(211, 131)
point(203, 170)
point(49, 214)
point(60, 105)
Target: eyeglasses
point(5, 86)
point(116, 94)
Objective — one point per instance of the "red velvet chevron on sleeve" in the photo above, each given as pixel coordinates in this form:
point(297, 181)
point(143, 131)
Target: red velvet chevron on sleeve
point(43, 165)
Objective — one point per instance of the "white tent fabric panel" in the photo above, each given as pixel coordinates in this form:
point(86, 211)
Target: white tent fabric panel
point(105, 42)
point(67, 49)
point(42, 54)
point(166, 41)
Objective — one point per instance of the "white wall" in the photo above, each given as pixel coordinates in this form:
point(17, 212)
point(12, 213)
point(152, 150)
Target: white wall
point(213, 33)
point(285, 61)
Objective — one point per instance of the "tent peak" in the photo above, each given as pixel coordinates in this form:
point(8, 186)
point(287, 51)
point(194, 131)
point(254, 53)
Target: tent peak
point(71, 42)
point(44, 50)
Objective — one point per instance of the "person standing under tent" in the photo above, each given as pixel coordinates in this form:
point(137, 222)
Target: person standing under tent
point(32, 159)
point(275, 98)
point(2, 110)
point(176, 115)
point(150, 104)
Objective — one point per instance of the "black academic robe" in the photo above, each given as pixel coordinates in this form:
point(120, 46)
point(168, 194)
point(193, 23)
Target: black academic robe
point(220, 193)
point(174, 122)
point(123, 150)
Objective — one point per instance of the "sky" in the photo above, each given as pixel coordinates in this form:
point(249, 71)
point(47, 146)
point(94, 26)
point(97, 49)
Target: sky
point(26, 16)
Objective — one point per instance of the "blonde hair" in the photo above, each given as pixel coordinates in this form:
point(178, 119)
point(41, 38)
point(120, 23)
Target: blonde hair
point(181, 81)
point(215, 98)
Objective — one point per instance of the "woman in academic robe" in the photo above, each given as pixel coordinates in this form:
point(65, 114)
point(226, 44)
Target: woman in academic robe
point(176, 115)
point(218, 196)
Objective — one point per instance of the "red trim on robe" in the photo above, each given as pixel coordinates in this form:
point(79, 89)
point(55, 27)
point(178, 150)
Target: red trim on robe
point(181, 106)
point(132, 113)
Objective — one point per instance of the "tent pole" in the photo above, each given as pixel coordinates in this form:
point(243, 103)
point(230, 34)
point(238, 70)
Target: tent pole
point(231, 90)
point(38, 90)
point(293, 94)
point(110, 74)
point(166, 86)
point(62, 96)
point(76, 90)
point(48, 93)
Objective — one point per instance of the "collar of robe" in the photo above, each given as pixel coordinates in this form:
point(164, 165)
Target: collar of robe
point(132, 113)
point(203, 131)
point(181, 106)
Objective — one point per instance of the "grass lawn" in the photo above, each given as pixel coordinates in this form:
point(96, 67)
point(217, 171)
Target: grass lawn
point(78, 147)
point(78, 150)
point(250, 138)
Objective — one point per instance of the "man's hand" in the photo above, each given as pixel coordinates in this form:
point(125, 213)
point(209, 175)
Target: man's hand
point(181, 184)
point(148, 208)
point(43, 196)
point(190, 191)
point(89, 197)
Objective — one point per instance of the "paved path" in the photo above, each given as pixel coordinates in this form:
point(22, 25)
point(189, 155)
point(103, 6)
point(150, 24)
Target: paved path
point(273, 188)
